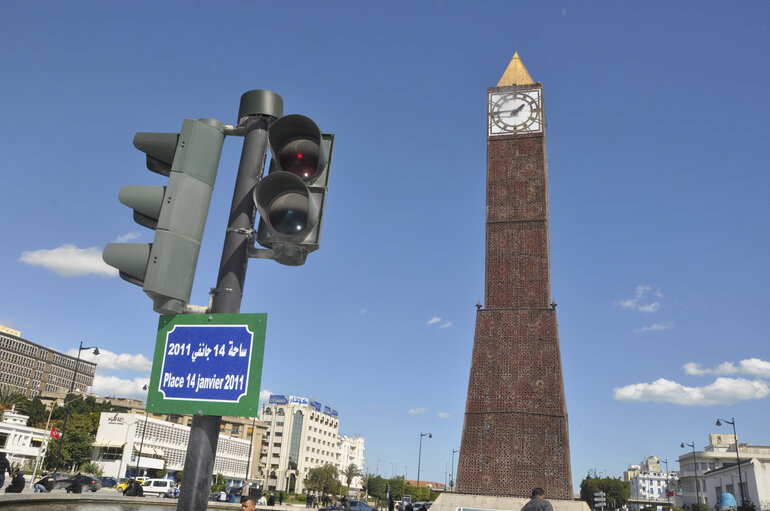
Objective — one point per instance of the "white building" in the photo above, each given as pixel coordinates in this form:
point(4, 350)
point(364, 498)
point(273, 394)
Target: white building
point(301, 434)
point(352, 451)
point(21, 444)
point(648, 484)
point(121, 436)
point(705, 474)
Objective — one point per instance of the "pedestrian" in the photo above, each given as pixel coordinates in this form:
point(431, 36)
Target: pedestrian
point(538, 502)
point(280, 498)
point(248, 503)
point(76, 486)
point(17, 482)
point(44, 484)
point(423, 507)
point(391, 504)
point(271, 500)
point(5, 466)
point(409, 506)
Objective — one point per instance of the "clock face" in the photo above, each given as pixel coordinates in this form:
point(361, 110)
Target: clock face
point(515, 112)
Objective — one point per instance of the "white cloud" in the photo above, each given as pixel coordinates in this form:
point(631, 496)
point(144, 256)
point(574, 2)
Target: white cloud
point(750, 366)
point(433, 320)
point(129, 236)
point(70, 261)
point(443, 415)
point(446, 324)
point(724, 391)
point(120, 387)
point(108, 361)
point(656, 327)
point(417, 411)
point(265, 394)
point(635, 303)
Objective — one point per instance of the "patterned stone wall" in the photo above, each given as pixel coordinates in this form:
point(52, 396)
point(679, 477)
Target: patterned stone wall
point(515, 434)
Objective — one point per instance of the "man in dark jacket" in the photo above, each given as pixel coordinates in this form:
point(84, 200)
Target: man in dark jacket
point(538, 502)
point(17, 482)
point(4, 467)
point(76, 486)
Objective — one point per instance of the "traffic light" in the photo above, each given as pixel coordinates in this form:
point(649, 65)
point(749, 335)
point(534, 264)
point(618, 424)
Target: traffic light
point(291, 198)
point(165, 268)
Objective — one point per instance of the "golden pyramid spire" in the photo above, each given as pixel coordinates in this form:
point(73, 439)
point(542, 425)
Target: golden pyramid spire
point(515, 73)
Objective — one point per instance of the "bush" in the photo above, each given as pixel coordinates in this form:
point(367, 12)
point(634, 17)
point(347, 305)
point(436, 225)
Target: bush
point(92, 468)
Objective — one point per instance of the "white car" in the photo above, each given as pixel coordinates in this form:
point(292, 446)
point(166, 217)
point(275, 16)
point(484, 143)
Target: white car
point(157, 487)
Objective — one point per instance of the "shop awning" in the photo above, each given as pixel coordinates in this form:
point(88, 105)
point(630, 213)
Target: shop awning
point(108, 443)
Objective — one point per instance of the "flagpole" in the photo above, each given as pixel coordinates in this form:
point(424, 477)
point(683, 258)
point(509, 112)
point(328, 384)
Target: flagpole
point(47, 439)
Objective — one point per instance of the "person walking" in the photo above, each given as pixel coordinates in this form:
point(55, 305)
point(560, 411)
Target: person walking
point(5, 466)
point(280, 499)
point(538, 502)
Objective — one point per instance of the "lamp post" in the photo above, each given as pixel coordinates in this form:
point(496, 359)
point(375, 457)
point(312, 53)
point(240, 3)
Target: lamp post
point(668, 501)
point(738, 456)
point(144, 430)
point(419, 456)
point(695, 465)
point(451, 475)
point(72, 388)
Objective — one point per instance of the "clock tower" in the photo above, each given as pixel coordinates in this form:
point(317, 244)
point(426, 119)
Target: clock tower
point(515, 434)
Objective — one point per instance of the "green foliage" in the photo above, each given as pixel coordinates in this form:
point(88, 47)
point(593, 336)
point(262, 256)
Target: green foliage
point(92, 468)
point(178, 475)
point(700, 507)
point(10, 398)
point(76, 450)
point(617, 491)
point(351, 471)
point(376, 486)
point(397, 487)
point(38, 413)
point(418, 493)
point(323, 479)
point(219, 483)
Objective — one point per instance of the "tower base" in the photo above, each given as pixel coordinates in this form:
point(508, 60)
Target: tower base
point(465, 502)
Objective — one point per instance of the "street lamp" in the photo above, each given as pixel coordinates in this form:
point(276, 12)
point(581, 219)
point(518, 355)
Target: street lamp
point(695, 464)
point(419, 456)
point(144, 430)
point(451, 476)
point(72, 388)
point(668, 500)
point(740, 477)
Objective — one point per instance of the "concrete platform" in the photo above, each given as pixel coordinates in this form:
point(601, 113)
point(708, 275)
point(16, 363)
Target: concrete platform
point(464, 502)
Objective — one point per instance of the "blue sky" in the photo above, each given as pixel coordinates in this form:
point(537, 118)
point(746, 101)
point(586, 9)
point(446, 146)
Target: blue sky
point(658, 177)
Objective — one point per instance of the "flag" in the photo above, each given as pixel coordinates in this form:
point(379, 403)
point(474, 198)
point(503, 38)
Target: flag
point(54, 433)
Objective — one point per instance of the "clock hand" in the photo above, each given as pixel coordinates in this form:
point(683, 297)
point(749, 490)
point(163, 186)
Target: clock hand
point(516, 111)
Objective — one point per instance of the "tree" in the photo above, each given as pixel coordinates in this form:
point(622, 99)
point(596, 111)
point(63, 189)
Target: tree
point(323, 479)
point(376, 486)
point(78, 438)
point(38, 413)
point(92, 468)
point(616, 491)
point(11, 398)
point(351, 472)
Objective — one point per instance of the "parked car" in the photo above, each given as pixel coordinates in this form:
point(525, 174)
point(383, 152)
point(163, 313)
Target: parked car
point(121, 487)
point(357, 505)
point(157, 487)
point(87, 482)
point(61, 480)
point(108, 482)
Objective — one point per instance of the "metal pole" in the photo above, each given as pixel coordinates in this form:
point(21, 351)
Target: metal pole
point(67, 411)
point(204, 432)
point(740, 477)
point(251, 447)
point(141, 444)
point(454, 483)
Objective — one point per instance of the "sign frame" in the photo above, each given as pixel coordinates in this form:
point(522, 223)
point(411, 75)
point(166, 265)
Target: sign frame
point(248, 403)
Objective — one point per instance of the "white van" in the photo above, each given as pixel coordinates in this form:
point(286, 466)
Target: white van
point(157, 487)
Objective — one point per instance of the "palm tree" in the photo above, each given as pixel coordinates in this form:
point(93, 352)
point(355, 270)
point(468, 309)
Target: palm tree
point(10, 398)
point(351, 471)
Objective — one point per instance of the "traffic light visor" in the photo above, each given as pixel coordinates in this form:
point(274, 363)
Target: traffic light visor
point(295, 141)
point(285, 205)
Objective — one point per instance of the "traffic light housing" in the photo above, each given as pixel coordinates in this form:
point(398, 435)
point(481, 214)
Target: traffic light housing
point(291, 198)
point(165, 268)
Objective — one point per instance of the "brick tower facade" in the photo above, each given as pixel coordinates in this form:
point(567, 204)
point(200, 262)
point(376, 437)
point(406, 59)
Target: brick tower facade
point(515, 434)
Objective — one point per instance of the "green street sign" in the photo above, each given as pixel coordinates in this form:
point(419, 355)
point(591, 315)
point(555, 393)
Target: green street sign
point(208, 364)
